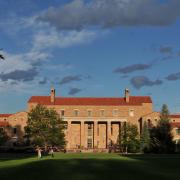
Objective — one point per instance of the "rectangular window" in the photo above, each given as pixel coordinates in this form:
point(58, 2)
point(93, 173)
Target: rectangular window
point(89, 129)
point(131, 113)
point(115, 112)
point(89, 113)
point(102, 113)
point(76, 113)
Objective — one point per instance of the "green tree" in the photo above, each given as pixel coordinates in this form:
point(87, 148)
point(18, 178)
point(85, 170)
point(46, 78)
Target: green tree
point(3, 136)
point(161, 135)
point(45, 128)
point(1, 56)
point(129, 138)
point(145, 139)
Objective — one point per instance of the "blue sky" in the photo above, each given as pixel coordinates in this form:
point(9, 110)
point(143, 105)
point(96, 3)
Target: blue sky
point(89, 48)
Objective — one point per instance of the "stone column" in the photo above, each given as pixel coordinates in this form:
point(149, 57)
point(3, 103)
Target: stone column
point(108, 132)
point(69, 134)
point(95, 133)
point(82, 134)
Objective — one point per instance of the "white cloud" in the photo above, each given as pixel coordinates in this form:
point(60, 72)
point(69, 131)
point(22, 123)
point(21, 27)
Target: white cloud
point(54, 39)
point(22, 61)
point(42, 39)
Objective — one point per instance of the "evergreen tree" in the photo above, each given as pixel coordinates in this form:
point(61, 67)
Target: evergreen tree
point(161, 136)
point(129, 139)
point(145, 138)
point(3, 136)
point(44, 127)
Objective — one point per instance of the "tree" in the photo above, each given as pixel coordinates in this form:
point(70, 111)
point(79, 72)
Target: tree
point(3, 136)
point(161, 136)
point(145, 139)
point(1, 56)
point(129, 138)
point(45, 128)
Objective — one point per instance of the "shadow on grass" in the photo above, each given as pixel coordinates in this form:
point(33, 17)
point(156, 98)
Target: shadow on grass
point(15, 156)
point(91, 169)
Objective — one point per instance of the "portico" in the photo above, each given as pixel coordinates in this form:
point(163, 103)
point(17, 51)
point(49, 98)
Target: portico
point(92, 134)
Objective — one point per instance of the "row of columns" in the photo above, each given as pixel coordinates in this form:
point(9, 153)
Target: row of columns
point(95, 132)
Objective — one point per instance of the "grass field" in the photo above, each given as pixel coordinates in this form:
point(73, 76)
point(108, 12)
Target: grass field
point(90, 166)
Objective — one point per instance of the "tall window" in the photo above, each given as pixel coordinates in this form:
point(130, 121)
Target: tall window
point(76, 113)
point(89, 129)
point(14, 130)
point(89, 113)
point(102, 112)
point(131, 113)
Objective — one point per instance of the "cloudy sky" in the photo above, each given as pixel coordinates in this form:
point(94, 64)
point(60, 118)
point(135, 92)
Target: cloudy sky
point(89, 48)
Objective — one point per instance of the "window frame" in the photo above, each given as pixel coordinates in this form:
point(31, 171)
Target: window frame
point(131, 111)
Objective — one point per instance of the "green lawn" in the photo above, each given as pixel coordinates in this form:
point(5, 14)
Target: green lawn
point(90, 166)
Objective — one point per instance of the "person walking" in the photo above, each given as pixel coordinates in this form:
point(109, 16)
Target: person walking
point(51, 152)
point(39, 152)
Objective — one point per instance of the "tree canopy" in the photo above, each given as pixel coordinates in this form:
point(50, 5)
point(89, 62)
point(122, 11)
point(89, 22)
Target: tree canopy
point(145, 139)
point(45, 127)
point(161, 135)
point(129, 138)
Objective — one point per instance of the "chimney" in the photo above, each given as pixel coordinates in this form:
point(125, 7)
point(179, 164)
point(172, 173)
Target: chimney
point(127, 95)
point(52, 95)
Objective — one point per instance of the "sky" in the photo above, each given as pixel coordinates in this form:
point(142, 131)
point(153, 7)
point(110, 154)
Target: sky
point(89, 48)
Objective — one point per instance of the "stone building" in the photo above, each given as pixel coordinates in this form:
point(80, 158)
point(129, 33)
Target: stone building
point(92, 123)
point(153, 118)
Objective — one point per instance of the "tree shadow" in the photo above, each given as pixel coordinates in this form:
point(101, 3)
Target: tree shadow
point(15, 156)
point(89, 169)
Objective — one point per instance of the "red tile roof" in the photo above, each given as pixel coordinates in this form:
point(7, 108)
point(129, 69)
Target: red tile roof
point(85, 101)
point(3, 124)
point(174, 116)
point(175, 124)
point(5, 115)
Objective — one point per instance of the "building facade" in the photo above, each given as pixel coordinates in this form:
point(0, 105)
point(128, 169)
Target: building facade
point(92, 123)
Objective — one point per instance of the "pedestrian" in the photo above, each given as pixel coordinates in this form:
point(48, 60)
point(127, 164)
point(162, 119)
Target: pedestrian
point(51, 152)
point(39, 152)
